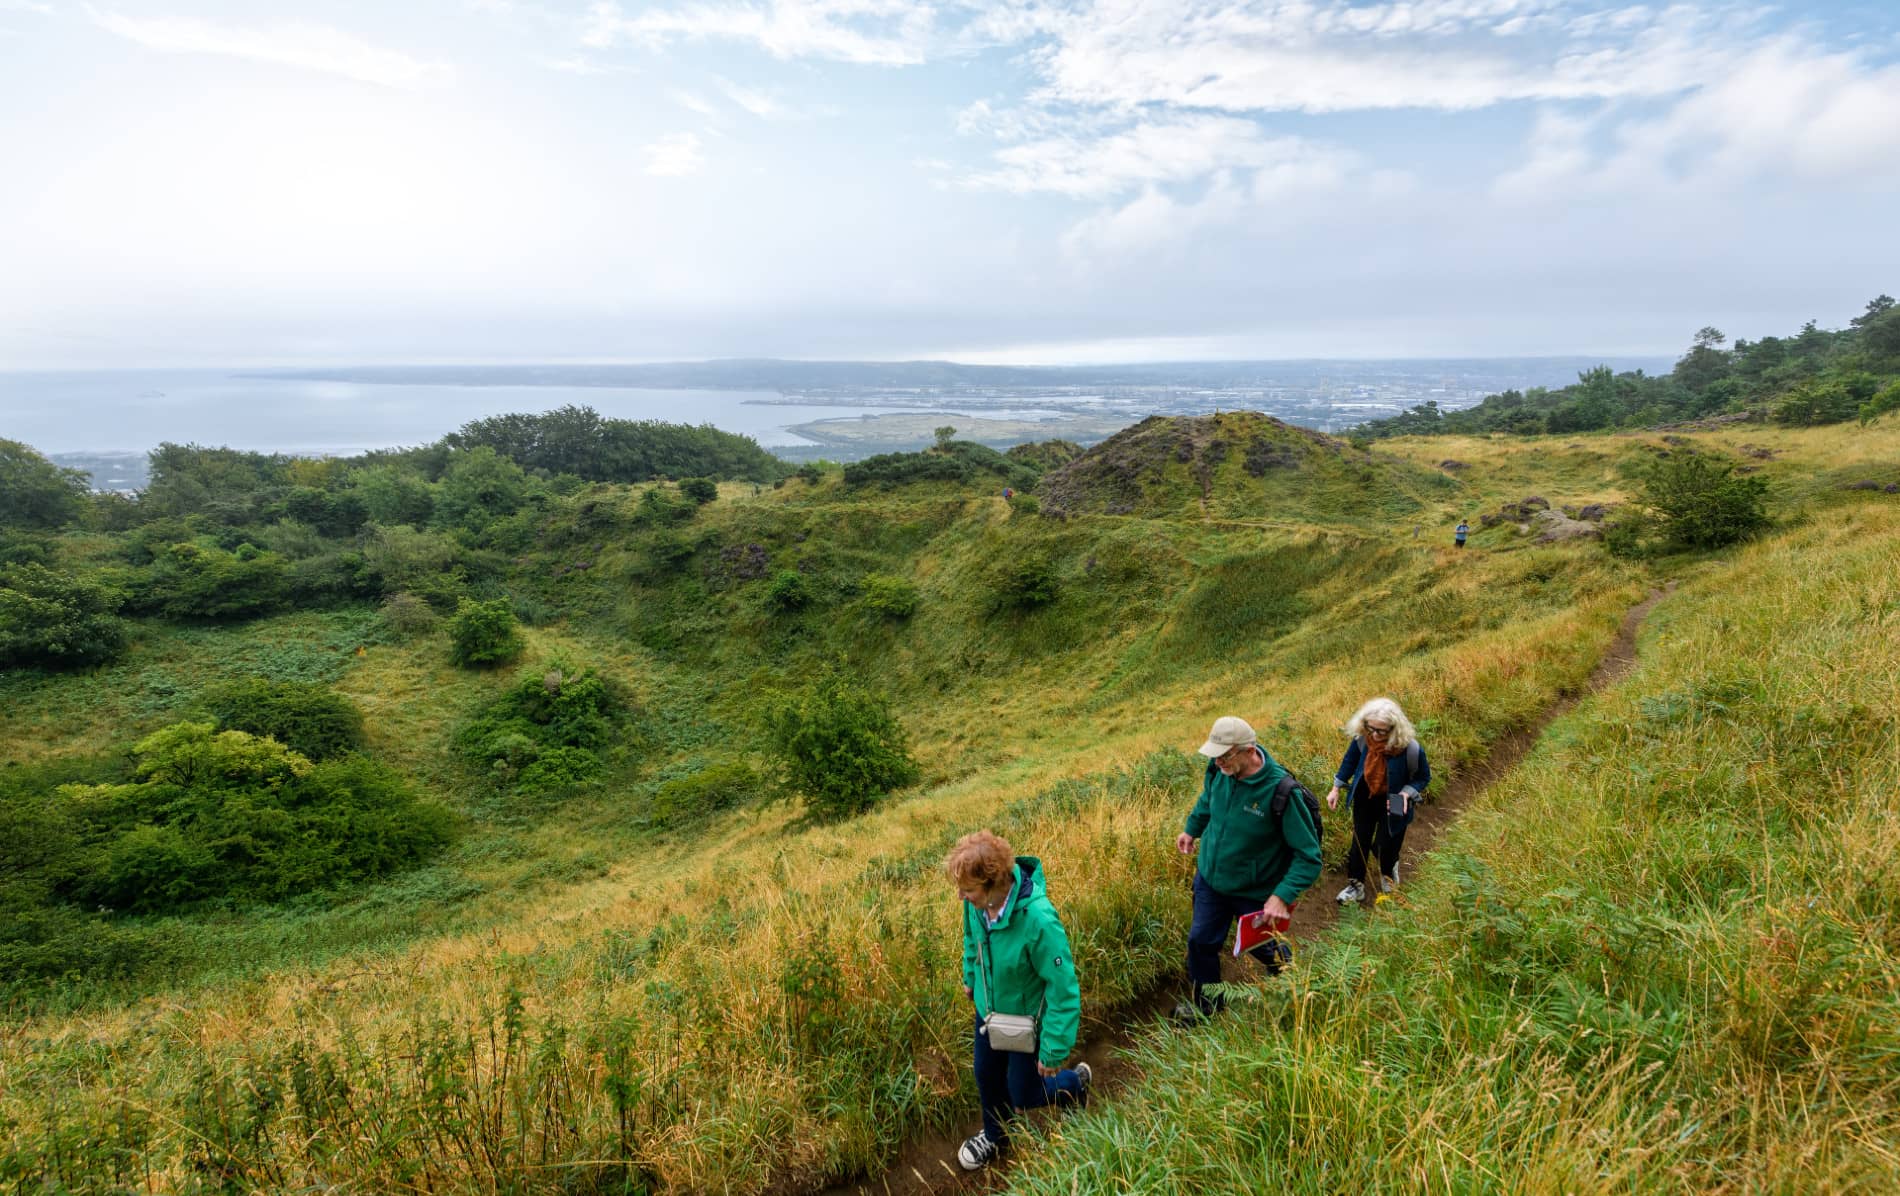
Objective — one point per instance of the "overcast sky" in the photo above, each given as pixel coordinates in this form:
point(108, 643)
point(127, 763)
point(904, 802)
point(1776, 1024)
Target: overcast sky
point(222, 182)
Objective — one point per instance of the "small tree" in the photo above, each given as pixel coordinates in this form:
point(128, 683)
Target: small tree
point(700, 490)
point(483, 634)
point(34, 492)
point(305, 717)
point(840, 747)
point(53, 620)
point(1700, 502)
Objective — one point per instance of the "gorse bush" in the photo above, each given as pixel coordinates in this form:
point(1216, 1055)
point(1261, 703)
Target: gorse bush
point(307, 718)
point(700, 490)
point(889, 597)
point(839, 745)
point(54, 620)
point(1697, 501)
point(699, 795)
point(406, 615)
point(228, 816)
point(482, 634)
point(1025, 583)
point(788, 591)
point(548, 732)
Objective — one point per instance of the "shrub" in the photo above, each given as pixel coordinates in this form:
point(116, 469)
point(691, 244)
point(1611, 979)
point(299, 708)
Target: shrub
point(405, 615)
point(889, 597)
point(1700, 502)
point(700, 490)
point(546, 732)
point(55, 620)
point(229, 816)
point(839, 746)
point(306, 718)
point(788, 591)
point(712, 789)
point(1025, 583)
point(196, 581)
point(483, 634)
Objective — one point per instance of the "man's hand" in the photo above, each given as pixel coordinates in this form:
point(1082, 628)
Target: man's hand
point(1184, 843)
point(1276, 909)
point(1332, 798)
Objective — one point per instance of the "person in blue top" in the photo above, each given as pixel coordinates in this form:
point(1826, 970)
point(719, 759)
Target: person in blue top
point(1249, 859)
point(1458, 537)
point(1384, 772)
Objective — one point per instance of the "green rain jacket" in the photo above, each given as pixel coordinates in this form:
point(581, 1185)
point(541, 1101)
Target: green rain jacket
point(1245, 850)
point(1022, 964)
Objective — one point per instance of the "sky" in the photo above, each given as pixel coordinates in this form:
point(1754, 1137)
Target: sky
point(215, 182)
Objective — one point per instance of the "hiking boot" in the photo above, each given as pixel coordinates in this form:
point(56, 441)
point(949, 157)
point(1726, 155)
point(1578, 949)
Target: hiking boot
point(977, 1151)
point(1353, 893)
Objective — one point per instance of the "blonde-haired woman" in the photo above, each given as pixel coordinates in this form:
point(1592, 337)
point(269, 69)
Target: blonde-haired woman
point(1384, 772)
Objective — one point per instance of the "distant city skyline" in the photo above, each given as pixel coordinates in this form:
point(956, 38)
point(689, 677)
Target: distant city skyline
point(210, 183)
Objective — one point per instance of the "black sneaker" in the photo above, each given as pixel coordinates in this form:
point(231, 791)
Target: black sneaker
point(977, 1151)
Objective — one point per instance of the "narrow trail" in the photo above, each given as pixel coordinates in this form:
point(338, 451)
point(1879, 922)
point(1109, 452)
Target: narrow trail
point(927, 1164)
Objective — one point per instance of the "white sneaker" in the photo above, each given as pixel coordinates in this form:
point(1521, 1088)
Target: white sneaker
point(1388, 885)
point(1353, 893)
point(977, 1152)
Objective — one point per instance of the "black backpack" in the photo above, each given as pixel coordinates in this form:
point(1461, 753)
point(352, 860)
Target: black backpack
point(1283, 793)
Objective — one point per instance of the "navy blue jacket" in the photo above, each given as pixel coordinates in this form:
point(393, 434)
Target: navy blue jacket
point(1398, 774)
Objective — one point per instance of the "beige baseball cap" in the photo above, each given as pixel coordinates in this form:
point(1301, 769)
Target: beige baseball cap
point(1228, 733)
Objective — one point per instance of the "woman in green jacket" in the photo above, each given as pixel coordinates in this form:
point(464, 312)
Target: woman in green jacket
point(1015, 961)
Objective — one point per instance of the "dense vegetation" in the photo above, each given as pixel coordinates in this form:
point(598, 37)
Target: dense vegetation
point(1814, 377)
point(545, 925)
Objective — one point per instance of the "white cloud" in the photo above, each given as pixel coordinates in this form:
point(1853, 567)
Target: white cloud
point(675, 155)
point(32, 6)
point(888, 32)
point(759, 103)
point(308, 47)
point(692, 102)
point(578, 65)
point(1171, 150)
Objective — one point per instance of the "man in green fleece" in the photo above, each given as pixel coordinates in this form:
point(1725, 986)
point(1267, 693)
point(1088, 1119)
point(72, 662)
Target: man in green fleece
point(1249, 858)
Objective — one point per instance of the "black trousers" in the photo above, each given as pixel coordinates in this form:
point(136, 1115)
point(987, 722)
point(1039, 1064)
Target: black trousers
point(1375, 833)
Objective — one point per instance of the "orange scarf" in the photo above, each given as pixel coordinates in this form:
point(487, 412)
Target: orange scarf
point(1375, 777)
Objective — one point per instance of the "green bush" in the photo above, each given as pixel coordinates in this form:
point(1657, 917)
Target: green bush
point(483, 634)
point(55, 620)
point(198, 581)
point(788, 591)
point(1025, 583)
point(306, 718)
point(700, 490)
point(889, 597)
point(839, 746)
point(547, 732)
point(712, 789)
point(405, 615)
point(1699, 502)
point(224, 815)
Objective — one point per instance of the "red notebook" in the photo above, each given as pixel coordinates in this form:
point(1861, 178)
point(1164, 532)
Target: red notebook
point(1253, 929)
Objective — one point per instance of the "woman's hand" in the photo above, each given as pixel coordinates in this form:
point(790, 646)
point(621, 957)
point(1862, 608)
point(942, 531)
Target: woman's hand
point(969, 994)
point(1184, 843)
point(1332, 798)
point(1046, 1070)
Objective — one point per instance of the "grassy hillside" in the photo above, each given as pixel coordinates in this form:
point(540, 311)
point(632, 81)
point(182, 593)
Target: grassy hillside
point(582, 996)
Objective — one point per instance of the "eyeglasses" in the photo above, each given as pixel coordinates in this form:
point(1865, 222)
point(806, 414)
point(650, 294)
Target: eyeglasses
point(1379, 731)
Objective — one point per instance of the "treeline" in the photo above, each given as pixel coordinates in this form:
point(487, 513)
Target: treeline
point(222, 534)
point(1816, 376)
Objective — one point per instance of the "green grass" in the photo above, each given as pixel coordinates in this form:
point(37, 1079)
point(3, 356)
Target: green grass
point(573, 983)
point(1660, 956)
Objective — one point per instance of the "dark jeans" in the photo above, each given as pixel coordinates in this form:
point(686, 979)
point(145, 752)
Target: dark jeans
point(1210, 933)
point(1007, 1082)
point(1375, 832)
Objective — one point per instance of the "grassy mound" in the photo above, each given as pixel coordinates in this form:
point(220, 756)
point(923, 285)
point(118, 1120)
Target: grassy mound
point(1240, 465)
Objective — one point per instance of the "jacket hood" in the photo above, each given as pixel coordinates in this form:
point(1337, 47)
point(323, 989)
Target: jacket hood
point(1029, 887)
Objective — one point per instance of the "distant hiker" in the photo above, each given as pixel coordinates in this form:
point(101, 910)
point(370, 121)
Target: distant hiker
point(1008, 493)
point(1018, 970)
point(1458, 537)
point(1384, 772)
point(1249, 858)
